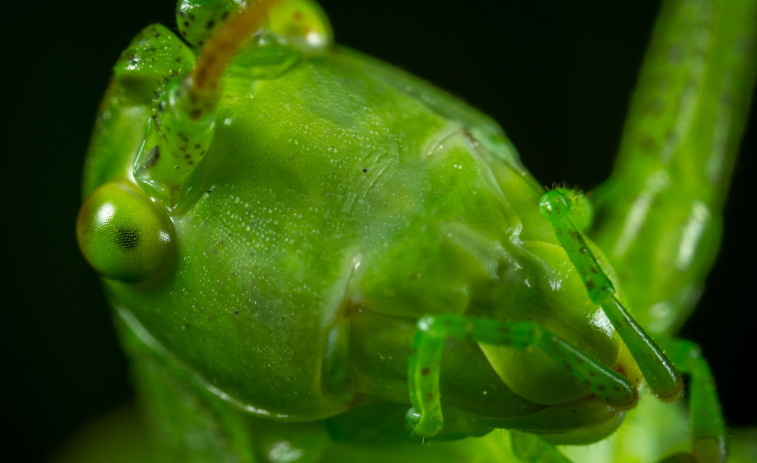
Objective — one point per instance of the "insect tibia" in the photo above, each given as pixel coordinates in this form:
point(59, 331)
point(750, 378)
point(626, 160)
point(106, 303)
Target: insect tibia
point(663, 379)
point(424, 364)
point(708, 430)
point(660, 214)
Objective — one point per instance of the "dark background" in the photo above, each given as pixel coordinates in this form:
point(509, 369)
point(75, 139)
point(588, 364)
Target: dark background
point(555, 75)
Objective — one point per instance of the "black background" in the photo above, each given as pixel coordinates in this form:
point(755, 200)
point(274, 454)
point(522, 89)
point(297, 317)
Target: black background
point(556, 76)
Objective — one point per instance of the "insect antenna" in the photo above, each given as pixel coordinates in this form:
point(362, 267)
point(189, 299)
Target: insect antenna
point(222, 47)
point(182, 125)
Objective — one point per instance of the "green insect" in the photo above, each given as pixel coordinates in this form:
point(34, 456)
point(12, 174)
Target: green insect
point(315, 257)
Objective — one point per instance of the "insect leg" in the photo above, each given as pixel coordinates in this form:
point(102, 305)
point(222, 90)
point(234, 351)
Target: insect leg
point(426, 416)
point(708, 433)
point(661, 375)
point(659, 216)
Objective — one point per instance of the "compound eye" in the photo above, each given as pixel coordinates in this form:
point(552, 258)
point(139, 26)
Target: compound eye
point(123, 234)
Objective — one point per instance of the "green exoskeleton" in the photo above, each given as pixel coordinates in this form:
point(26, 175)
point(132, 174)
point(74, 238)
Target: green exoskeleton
point(315, 257)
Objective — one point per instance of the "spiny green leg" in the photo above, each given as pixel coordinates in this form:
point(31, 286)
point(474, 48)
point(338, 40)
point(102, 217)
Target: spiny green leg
point(423, 372)
point(661, 375)
point(708, 433)
point(660, 214)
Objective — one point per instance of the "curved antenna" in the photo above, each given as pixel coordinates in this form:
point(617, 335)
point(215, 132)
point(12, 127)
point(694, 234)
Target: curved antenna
point(223, 46)
point(182, 126)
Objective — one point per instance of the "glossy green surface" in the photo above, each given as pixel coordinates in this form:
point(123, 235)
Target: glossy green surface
point(332, 202)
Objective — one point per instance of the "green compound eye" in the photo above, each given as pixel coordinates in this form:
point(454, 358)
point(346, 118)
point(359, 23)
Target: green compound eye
point(124, 235)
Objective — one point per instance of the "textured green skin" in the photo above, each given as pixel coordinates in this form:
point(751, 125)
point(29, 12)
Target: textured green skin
point(268, 236)
point(332, 216)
